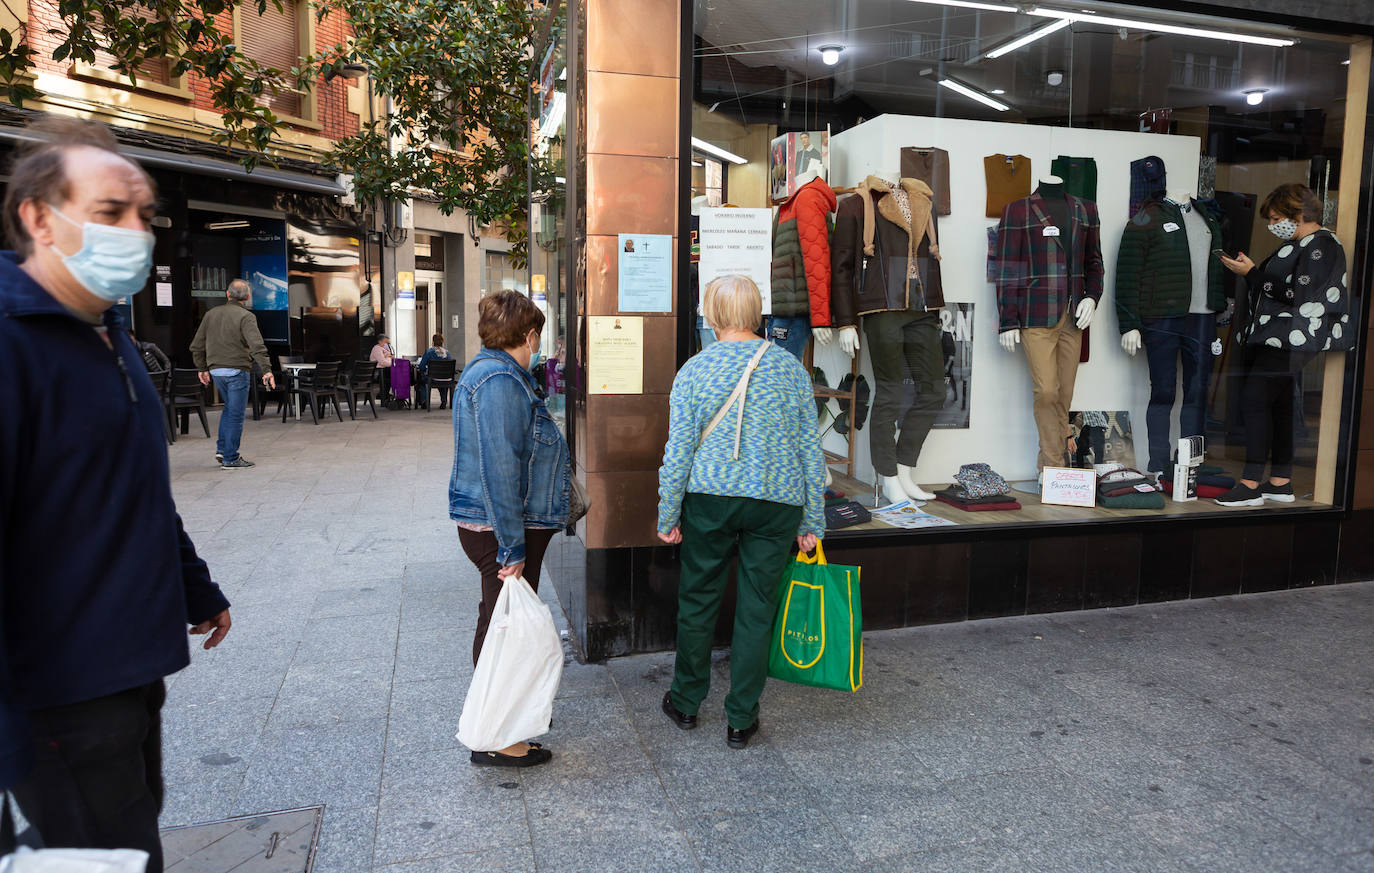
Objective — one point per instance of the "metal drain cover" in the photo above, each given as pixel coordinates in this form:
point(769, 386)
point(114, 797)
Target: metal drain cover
point(273, 842)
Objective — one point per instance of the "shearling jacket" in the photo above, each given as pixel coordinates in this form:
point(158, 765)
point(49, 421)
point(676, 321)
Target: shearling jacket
point(873, 247)
point(800, 279)
point(1154, 267)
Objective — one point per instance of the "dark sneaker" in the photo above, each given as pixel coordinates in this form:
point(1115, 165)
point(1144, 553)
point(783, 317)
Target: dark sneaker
point(219, 457)
point(1277, 493)
point(239, 463)
point(533, 758)
point(1241, 496)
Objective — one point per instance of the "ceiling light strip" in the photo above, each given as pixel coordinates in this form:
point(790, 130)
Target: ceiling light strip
point(970, 4)
point(974, 94)
point(1029, 38)
point(1156, 27)
point(702, 145)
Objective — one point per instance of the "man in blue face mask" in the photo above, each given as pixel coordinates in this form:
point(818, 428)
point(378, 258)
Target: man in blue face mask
point(98, 578)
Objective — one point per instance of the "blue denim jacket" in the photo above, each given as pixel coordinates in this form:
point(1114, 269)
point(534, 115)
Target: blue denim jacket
point(510, 462)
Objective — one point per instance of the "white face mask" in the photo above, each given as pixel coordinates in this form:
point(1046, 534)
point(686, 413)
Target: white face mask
point(1285, 228)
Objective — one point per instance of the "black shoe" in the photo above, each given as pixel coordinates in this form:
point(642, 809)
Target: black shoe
point(738, 739)
point(238, 463)
point(533, 758)
point(1277, 493)
point(1242, 496)
point(680, 718)
point(219, 457)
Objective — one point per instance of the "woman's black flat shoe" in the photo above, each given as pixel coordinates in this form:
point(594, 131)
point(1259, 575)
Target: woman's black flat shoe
point(533, 758)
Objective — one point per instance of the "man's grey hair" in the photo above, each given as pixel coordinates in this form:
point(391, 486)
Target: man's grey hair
point(240, 290)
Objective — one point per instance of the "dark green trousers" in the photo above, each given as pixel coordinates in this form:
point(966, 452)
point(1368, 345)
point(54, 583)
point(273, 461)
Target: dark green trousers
point(712, 529)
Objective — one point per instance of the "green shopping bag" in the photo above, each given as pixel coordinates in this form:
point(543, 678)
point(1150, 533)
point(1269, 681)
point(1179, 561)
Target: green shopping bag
point(818, 633)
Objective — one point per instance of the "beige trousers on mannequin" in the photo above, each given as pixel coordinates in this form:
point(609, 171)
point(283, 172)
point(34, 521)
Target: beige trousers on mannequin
point(1052, 356)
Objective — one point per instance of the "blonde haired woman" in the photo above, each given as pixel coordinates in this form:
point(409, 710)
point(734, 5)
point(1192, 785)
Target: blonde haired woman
point(742, 470)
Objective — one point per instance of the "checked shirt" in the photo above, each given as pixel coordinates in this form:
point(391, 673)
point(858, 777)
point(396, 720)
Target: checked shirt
point(1039, 276)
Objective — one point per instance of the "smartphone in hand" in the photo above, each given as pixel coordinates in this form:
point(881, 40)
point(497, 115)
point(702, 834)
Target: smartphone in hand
point(1221, 254)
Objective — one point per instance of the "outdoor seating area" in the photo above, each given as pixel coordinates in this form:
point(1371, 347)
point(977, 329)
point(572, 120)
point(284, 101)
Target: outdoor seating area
point(310, 389)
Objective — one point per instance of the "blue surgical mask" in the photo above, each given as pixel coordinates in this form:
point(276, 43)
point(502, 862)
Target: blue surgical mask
point(113, 262)
point(534, 357)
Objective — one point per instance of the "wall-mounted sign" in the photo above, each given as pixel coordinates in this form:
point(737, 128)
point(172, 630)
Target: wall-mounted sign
point(405, 290)
point(615, 354)
point(738, 241)
point(645, 272)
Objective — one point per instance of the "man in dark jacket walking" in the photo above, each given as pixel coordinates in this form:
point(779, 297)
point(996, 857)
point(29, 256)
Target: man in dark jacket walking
point(98, 579)
point(225, 347)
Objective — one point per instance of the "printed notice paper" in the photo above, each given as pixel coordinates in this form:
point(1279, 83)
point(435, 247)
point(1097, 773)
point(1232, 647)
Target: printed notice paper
point(646, 272)
point(909, 516)
point(615, 354)
point(1068, 487)
point(737, 241)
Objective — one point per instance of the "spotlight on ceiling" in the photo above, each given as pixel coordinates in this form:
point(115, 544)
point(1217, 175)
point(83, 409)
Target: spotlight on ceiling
point(1054, 78)
point(1255, 96)
point(831, 54)
point(996, 91)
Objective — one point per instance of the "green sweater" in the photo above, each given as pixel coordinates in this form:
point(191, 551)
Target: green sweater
point(228, 338)
point(1154, 269)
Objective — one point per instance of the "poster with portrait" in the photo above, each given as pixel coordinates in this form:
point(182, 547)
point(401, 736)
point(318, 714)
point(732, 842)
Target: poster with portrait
point(956, 348)
point(795, 159)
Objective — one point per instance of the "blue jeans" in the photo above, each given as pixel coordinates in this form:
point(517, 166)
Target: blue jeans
point(234, 389)
point(791, 333)
point(1166, 341)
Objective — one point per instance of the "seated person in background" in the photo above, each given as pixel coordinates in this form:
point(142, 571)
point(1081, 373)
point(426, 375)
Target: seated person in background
point(153, 357)
point(436, 352)
point(381, 356)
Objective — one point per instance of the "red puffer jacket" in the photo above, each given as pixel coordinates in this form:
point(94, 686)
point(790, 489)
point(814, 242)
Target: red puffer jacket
point(811, 206)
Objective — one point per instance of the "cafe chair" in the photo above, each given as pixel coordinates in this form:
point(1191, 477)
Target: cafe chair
point(444, 376)
point(317, 387)
point(361, 384)
point(184, 394)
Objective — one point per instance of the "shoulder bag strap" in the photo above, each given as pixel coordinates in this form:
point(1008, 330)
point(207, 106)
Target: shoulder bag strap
point(737, 395)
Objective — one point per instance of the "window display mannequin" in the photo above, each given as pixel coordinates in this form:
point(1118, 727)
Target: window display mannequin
point(800, 276)
point(886, 271)
point(1168, 293)
point(1049, 279)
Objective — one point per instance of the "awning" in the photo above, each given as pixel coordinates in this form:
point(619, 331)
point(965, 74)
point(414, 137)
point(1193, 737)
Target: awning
point(207, 166)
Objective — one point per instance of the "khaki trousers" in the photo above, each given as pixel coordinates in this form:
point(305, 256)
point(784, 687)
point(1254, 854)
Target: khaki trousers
point(1052, 356)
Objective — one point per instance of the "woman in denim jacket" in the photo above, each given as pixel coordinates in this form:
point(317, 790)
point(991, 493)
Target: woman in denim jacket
point(510, 487)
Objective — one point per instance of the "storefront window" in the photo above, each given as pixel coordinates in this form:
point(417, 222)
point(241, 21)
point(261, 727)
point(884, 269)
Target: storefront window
point(548, 242)
point(1019, 311)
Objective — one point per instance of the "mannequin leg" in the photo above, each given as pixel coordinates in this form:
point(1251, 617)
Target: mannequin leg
point(925, 363)
point(1164, 339)
point(1196, 352)
point(1047, 357)
point(885, 340)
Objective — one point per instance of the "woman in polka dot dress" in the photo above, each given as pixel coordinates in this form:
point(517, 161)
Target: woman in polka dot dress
point(1298, 308)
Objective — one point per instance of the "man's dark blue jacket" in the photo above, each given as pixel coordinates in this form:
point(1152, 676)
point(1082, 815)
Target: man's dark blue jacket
point(98, 579)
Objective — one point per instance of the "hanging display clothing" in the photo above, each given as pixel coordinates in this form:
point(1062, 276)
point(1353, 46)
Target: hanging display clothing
point(874, 248)
point(800, 275)
point(1009, 180)
point(930, 165)
point(1155, 264)
point(1044, 270)
point(1147, 182)
point(1079, 175)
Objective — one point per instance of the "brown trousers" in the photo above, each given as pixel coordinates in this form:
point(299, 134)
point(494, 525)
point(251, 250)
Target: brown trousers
point(481, 548)
point(1052, 357)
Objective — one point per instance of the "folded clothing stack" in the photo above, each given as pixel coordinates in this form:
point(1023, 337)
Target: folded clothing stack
point(835, 498)
point(1120, 487)
point(846, 514)
point(956, 495)
point(1207, 486)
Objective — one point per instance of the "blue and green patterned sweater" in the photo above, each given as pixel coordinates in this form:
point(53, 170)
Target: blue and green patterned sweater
point(780, 456)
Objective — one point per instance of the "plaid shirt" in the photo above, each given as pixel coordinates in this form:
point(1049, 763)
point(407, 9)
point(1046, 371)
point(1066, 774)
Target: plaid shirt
point(1147, 182)
point(1039, 276)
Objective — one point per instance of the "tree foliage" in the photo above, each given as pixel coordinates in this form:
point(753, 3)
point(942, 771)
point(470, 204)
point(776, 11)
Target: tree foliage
point(453, 76)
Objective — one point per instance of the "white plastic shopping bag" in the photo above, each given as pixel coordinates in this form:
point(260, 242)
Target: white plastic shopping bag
point(511, 695)
point(75, 861)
